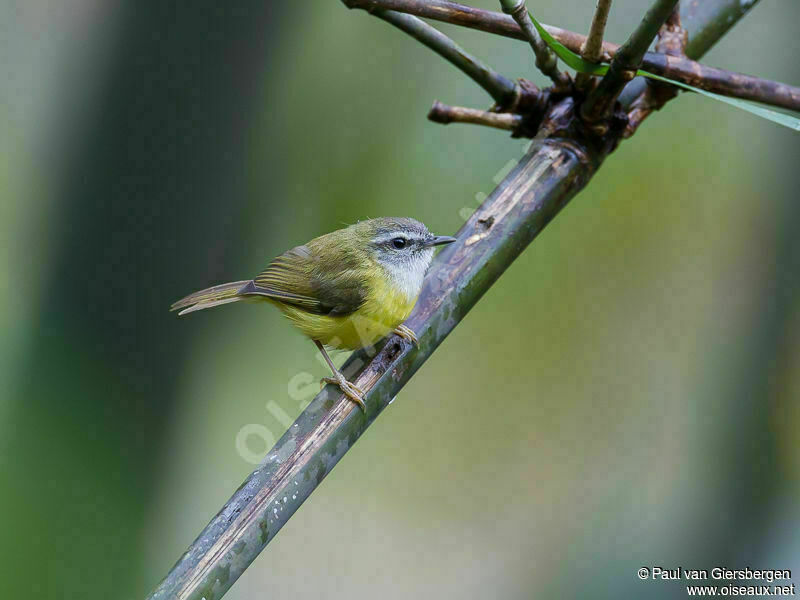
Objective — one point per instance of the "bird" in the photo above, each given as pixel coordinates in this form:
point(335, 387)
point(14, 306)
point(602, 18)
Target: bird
point(344, 290)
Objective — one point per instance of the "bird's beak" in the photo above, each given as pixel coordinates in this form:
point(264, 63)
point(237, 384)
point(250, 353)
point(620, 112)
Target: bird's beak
point(440, 240)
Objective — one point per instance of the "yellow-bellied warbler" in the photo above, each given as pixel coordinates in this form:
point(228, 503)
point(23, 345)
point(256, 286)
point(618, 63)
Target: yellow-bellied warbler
point(346, 289)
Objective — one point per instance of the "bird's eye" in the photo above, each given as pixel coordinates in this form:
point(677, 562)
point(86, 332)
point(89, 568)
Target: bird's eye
point(399, 243)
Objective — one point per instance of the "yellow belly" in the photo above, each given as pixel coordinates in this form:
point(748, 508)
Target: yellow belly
point(384, 309)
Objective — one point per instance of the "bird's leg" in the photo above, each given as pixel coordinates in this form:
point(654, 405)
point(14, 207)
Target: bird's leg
point(406, 333)
point(350, 390)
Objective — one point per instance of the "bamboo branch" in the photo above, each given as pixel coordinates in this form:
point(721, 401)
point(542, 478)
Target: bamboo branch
point(592, 47)
point(672, 40)
point(504, 91)
point(672, 37)
point(720, 81)
point(626, 61)
point(444, 114)
point(707, 22)
point(697, 17)
point(558, 165)
point(467, 16)
point(546, 60)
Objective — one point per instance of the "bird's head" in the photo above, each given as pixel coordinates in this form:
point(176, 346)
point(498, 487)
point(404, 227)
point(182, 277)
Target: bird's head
point(403, 247)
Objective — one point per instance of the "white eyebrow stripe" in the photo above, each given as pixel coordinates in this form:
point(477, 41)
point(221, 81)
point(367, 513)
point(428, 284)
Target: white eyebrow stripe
point(412, 237)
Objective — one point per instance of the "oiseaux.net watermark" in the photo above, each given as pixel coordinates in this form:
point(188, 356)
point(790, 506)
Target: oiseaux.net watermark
point(723, 581)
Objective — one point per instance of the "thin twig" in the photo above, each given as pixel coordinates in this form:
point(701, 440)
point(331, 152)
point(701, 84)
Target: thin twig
point(546, 60)
point(445, 114)
point(504, 91)
point(696, 17)
point(627, 60)
point(592, 48)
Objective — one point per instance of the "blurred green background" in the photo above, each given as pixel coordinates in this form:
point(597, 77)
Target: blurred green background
point(625, 396)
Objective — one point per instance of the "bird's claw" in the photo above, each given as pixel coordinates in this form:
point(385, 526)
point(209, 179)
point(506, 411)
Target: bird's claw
point(407, 334)
point(352, 391)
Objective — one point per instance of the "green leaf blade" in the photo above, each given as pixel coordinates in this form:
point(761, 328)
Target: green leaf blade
point(583, 66)
point(568, 56)
point(765, 113)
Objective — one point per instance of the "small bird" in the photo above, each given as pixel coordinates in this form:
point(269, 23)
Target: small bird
point(346, 289)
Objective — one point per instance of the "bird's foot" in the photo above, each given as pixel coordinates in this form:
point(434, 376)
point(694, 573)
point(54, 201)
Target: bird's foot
point(350, 390)
point(406, 333)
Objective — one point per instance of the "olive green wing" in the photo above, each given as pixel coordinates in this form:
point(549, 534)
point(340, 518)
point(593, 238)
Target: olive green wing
point(312, 281)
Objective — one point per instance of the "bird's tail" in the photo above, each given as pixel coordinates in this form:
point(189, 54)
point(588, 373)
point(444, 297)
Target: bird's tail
point(213, 296)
